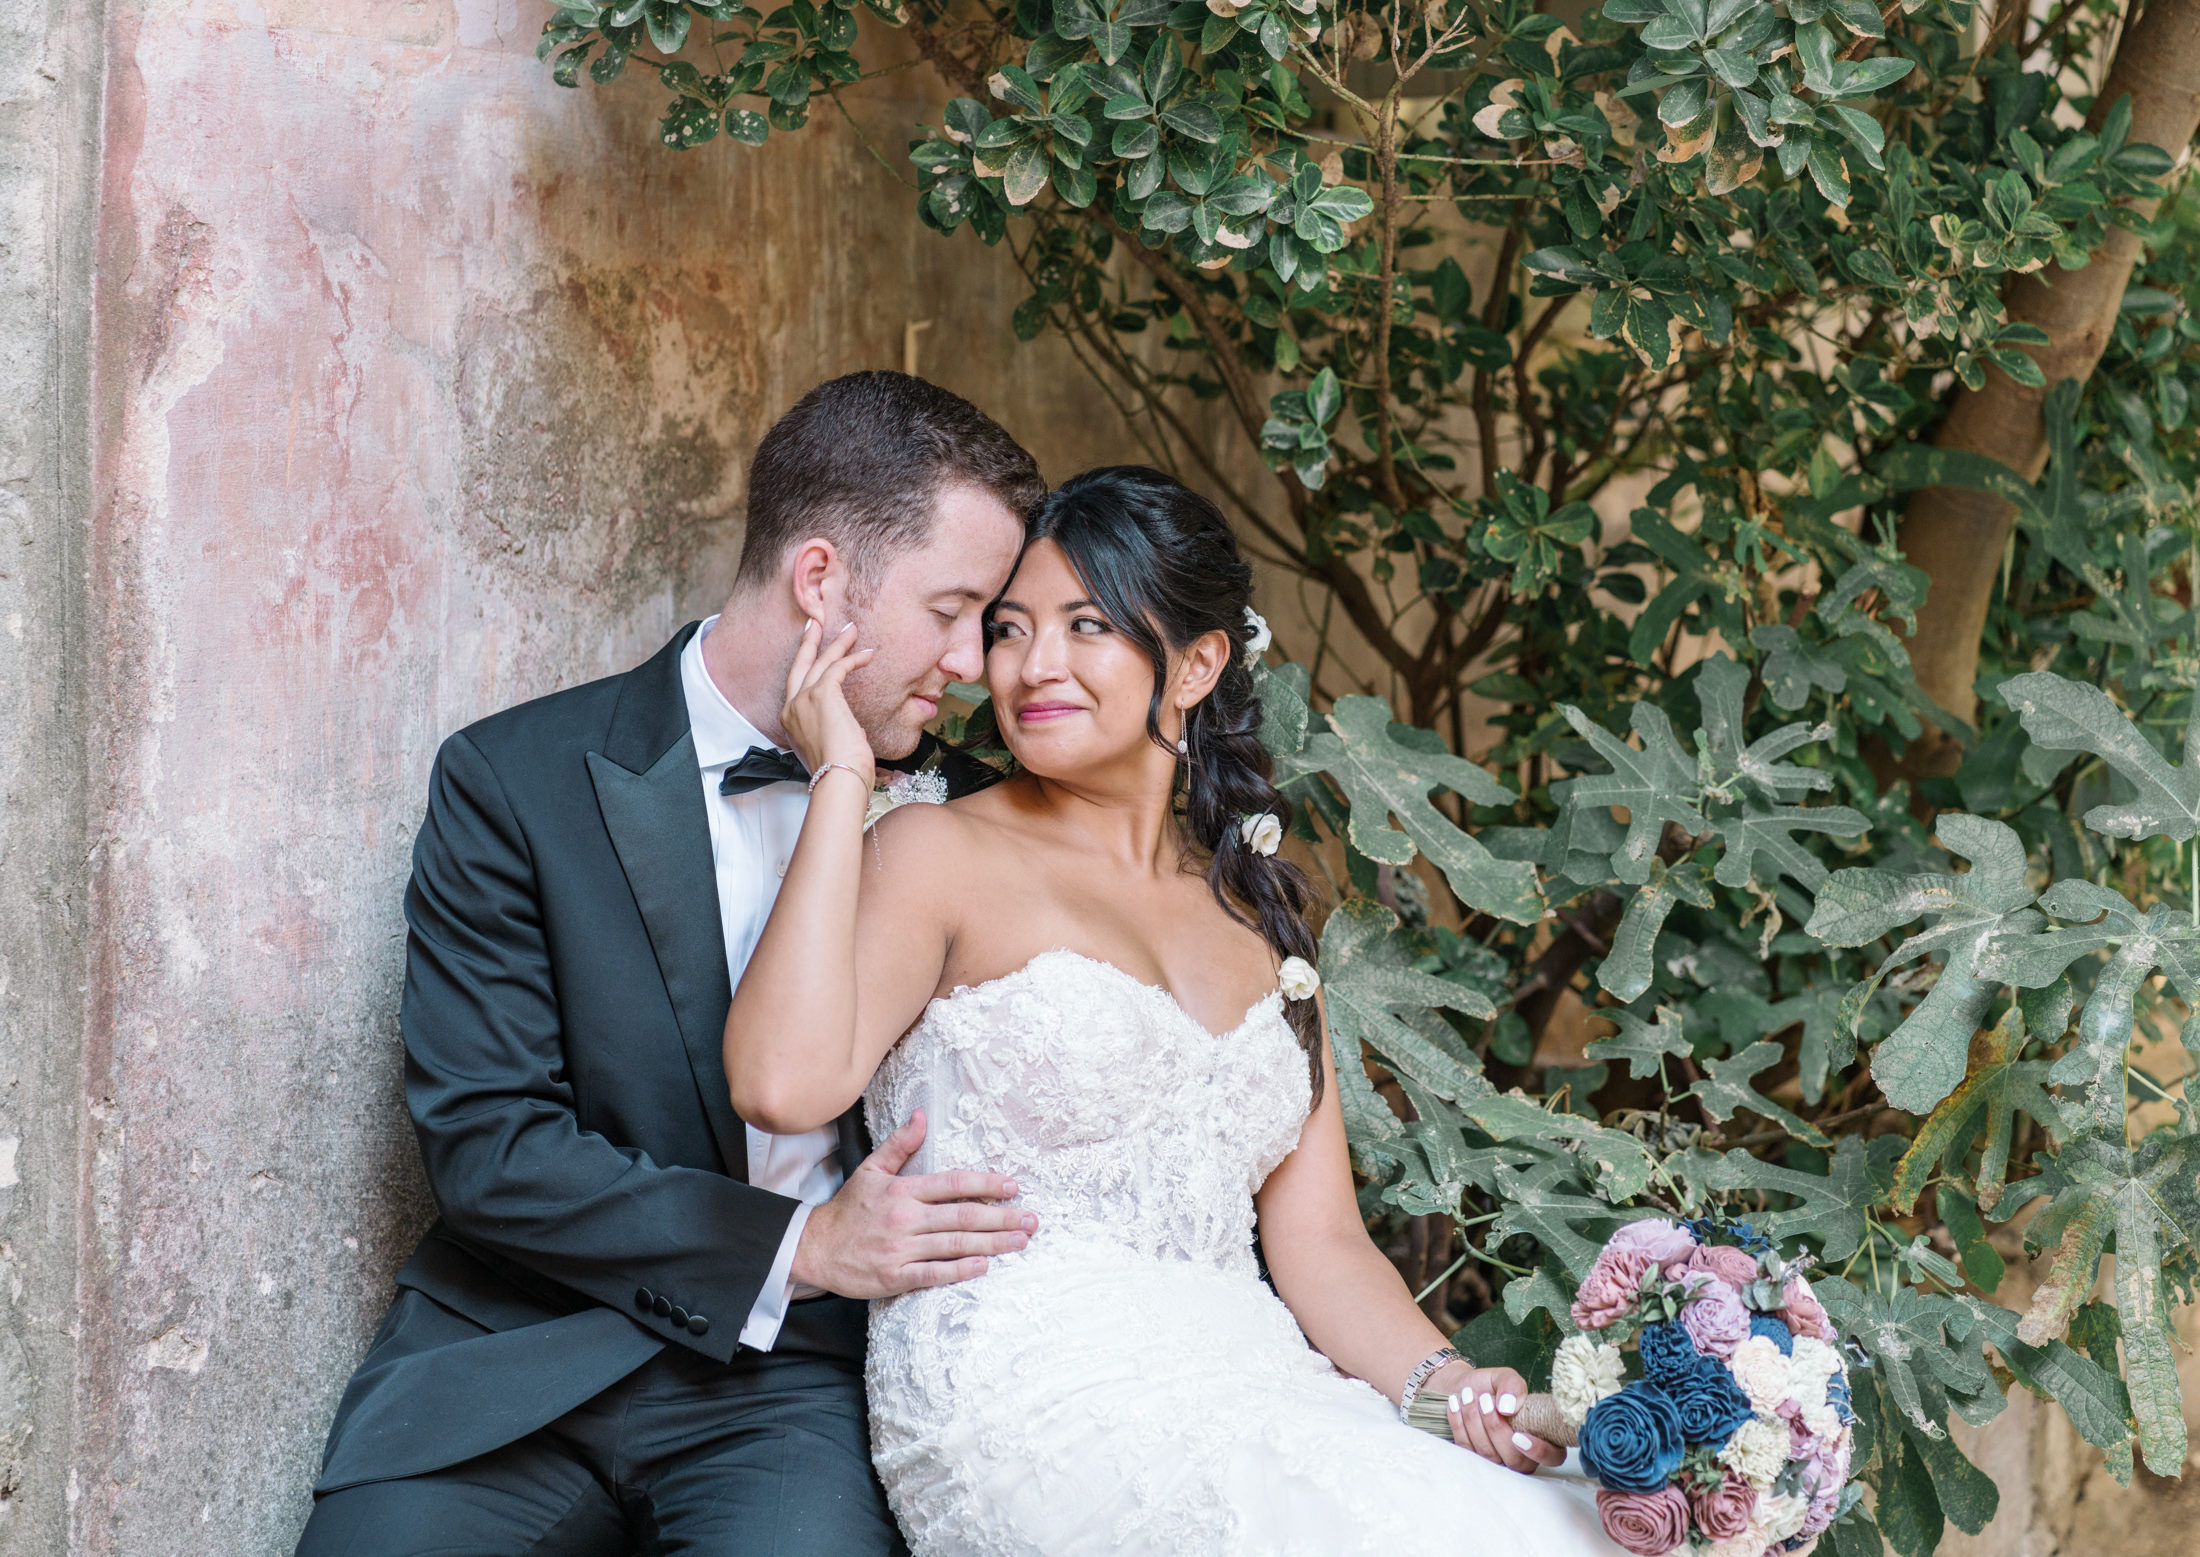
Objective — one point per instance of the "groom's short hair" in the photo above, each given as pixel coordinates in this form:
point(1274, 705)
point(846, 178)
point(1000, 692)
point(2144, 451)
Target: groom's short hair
point(860, 459)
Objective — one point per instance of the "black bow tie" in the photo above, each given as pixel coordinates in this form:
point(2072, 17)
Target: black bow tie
point(760, 765)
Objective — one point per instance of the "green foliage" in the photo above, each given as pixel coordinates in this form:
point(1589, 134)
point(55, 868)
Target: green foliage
point(1741, 248)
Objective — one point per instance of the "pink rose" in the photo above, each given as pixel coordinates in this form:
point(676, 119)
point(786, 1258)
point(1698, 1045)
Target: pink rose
point(1803, 1314)
point(1729, 1264)
point(1612, 1287)
point(1714, 1318)
point(1724, 1514)
point(1663, 1241)
point(1649, 1524)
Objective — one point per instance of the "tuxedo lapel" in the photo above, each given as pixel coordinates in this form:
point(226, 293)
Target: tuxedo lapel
point(650, 791)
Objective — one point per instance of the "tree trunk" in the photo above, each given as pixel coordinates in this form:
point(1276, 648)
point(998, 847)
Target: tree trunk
point(1957, 536)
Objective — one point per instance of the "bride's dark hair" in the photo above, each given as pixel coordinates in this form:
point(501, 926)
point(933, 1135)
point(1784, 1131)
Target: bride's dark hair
point(1161, 561)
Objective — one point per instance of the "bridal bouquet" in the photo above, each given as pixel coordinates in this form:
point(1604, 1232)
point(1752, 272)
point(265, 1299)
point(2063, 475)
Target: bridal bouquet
point(1734, 1436)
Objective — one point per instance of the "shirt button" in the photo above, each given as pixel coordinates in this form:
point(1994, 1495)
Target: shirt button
point(781, 867)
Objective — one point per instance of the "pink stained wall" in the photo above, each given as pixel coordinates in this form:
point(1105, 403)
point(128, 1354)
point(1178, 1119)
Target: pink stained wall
point(422, 386)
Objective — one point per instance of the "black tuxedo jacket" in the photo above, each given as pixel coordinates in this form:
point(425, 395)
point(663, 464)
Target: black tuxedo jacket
point(565, 995)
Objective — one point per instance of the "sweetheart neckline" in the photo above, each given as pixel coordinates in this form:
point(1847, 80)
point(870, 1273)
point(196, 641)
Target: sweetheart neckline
point(1252, 1012)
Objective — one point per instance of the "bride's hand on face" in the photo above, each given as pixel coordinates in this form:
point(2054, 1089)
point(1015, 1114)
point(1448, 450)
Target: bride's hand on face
point(1480, 1402)
point(816, 715)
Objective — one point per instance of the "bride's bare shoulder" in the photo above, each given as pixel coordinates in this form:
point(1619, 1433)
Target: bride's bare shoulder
point(938, 841)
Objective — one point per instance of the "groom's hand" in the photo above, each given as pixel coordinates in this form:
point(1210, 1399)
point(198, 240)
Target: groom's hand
point(883, 1235)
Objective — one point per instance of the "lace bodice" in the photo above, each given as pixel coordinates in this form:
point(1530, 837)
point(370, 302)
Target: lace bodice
point(1123, 1121)
point(1127, 1386)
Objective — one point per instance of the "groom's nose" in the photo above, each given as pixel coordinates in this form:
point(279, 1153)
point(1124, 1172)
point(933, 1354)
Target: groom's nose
point(965, 656)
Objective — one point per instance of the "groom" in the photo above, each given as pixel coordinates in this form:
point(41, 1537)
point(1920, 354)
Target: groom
point(638, 1324)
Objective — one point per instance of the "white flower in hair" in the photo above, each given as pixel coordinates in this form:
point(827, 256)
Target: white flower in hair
point(1262, 833)
point(1260, 637)
point(1298, 979)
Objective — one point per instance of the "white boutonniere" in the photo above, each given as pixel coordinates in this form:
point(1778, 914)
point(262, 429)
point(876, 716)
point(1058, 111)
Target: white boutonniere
point(1256, 644)
point(1298, 979)
point(923, 787)
point(1261, 833)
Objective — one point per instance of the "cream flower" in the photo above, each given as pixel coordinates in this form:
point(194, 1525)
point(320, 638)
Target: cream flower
point(1750, 1543)
point(1262, 833)
point(1821, 1421)
point(1761, 1368)
point(1758, 1451)
point(1298, 979)
point(1583, 1373)
point(1257, 643)
point(1813, 1364)
point(1780, 1516)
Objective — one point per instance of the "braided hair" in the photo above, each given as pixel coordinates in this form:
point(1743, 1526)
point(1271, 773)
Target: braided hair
point(1161, 561)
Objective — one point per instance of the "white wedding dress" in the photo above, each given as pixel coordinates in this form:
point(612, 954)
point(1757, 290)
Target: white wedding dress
point(1128, 1384)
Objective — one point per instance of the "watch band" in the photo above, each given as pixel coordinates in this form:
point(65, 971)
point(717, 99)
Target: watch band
point(1419, 1376)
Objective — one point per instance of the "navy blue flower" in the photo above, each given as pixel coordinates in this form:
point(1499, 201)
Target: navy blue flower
point(1837, 1395)
point(1632, 1441)
point(1667, 1352)
point(1774, 1331)
point(1746, 1234)
point(1710, 1404)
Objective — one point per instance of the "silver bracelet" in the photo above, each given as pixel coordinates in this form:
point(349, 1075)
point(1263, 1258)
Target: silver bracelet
point(1419, 1376)
point(824, 769)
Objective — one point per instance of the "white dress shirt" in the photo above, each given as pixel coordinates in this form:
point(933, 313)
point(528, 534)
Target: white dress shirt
point(752, 838)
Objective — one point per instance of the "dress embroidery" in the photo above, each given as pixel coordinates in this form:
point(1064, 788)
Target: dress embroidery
point(1127, 1384)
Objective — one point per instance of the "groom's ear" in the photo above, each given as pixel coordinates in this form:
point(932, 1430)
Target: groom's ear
point(1202, 666)
point(818, 576)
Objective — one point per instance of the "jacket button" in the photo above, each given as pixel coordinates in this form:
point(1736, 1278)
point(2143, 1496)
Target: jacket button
point(679, 1317)
point(698, 1325)
point(660, 1305)
point(644, 1299)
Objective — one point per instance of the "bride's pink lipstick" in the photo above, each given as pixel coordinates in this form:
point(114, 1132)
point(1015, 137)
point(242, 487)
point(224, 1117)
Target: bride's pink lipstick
point(1037, 713)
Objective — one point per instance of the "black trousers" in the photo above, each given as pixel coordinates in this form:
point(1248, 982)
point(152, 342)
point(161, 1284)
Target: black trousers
point(770, 1458)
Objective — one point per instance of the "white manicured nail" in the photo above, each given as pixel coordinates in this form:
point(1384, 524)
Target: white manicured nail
point(1487, 1407)
point(1523, 1442)
point(1506, 1405)
point(1453, 1402)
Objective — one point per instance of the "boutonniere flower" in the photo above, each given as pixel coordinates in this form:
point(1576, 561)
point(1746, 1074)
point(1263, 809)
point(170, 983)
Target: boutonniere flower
point(1261, 833)
point(1256, 644)
point(1298, 979)
point(923, 787)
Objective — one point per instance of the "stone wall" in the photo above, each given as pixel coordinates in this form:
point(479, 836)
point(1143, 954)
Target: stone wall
point(374, 383)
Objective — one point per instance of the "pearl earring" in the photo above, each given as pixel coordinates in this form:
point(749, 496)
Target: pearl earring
point(1181, 748)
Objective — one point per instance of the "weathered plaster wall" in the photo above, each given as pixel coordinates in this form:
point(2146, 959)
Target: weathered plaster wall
point(375, 383)
point(49, 65)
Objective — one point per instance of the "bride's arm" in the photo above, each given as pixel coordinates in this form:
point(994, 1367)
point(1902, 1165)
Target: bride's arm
point(849, 955)
point(1351, 1301)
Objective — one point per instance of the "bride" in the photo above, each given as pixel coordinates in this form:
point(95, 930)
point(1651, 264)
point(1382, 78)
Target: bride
point(1074, 975)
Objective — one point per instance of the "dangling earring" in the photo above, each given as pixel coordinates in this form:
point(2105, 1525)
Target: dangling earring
point(1181, 748)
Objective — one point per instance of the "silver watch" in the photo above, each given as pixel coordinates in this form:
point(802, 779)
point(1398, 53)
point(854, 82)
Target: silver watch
point(1419, 1376)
